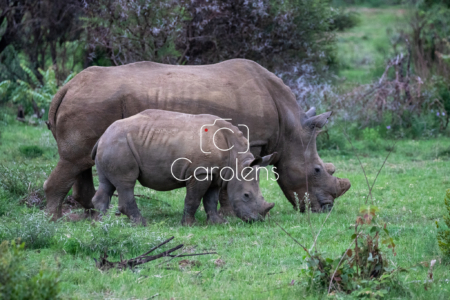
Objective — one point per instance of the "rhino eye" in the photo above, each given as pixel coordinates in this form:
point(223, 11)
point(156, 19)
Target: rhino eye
point(246, 195)
point(317, 169)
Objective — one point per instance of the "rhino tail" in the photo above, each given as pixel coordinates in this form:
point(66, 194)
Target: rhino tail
point(54, 105)
point(94, 150)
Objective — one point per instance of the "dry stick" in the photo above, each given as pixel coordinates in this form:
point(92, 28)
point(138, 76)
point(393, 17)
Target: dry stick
point(317, 236)
point(156, 247)
point(364, 171)
point(304, 248)
point(373, 183)
point(343, 255)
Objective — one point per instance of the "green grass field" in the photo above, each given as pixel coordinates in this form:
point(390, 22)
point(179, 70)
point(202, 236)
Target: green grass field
point(259, 260)
point(363, 50)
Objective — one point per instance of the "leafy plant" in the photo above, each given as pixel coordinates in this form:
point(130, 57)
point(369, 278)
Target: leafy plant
point(16, 282)
point(33, 92)
point(362, 269)
point(35, 229)
point(31, 151)
point(443, 234)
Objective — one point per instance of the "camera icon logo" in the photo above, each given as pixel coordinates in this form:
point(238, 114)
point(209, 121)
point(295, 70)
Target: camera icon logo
point(205, 130)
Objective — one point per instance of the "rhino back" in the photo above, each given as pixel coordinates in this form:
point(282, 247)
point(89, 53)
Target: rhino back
point(237, 89)
point(160, 139)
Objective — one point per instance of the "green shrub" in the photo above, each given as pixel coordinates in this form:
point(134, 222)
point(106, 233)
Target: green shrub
point(31, 151)
point(35, 229)
point(16, 283)
point(345, 20)
point(443, 234)
point(14, 181)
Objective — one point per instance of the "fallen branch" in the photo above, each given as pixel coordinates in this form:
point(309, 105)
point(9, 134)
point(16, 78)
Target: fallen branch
point(104, 265)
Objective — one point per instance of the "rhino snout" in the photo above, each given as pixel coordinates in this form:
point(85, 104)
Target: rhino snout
point(344, 185)
point(266, 208)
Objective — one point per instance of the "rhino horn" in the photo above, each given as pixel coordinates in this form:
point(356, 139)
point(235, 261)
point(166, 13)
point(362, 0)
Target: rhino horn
point(330, 168)
point(311, 112)
point(317, 121)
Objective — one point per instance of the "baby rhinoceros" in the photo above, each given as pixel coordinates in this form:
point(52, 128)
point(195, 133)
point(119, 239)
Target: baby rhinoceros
point(168, 150)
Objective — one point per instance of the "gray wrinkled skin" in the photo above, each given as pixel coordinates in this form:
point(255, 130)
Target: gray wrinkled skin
point(161, 150)
point(239, 89)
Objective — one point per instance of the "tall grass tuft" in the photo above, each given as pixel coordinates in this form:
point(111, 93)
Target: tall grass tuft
point(35, 229)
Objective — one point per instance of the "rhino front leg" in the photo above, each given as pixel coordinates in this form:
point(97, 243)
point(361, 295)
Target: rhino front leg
point(210, 202)
point(128, 206)
point(195, 190)
point(225, 206)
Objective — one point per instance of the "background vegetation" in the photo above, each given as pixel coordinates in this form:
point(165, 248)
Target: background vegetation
point(381, 66)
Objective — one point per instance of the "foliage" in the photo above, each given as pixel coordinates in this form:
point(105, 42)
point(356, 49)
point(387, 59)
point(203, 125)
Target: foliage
point(14, 181)
point(111, 235)
point(275, 34)
point(41, 32)
point(33, 92)
point(36, 229)
point(31, 151)
point(16, 282)
point(130, 31)
point(362, 269)
point(345, 20)
point(443, 234)
point(429, 38)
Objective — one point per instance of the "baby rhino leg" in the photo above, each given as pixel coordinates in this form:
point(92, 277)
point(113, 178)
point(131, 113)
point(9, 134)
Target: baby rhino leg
point(195, 190)
point(102, 197)
point(128, 206)
point(210, 202)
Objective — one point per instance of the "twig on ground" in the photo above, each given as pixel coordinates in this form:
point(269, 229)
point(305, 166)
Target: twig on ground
point(317, 236)
point(360, 163)
point(304, 248)
point(342, 258)
point(103, 264)
point(376, 177)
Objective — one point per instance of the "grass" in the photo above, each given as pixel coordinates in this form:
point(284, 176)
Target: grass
point(260, 260)
point(364, 49)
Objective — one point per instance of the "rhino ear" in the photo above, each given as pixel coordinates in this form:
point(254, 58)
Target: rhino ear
point(317, 121)
point(311, 112)
point(264, 161)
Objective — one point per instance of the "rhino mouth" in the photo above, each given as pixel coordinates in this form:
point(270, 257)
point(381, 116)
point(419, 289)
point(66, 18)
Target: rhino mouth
point(250, 218)
point(326, 203)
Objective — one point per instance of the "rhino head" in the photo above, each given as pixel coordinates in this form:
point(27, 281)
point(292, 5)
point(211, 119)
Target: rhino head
point(302, 172)
point(244, 193)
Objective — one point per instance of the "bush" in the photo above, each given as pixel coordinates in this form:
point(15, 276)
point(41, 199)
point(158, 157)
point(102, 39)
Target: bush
point(14, 181)
point(345, 20)
point(363, 269)
point(16, 283)
point(35, 229)
point(112, 235)
point(31, 151)
point(443, 234)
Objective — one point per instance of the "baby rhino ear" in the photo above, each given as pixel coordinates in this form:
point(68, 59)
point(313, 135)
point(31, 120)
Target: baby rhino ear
point(264, 161)
point(316, 121)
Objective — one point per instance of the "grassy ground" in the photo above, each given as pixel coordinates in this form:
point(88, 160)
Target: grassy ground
point(364, 49)
point(259, 260)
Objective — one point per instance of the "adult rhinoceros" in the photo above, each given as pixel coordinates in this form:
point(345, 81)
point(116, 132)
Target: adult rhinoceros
point(238, 89)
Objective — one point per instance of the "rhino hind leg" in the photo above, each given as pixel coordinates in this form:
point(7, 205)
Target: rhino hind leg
point(102, 197)
point(195, 190)
point(58, 185)
point(210, 202)
point(83, 190)
point(128, 206)
point(226, 210)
